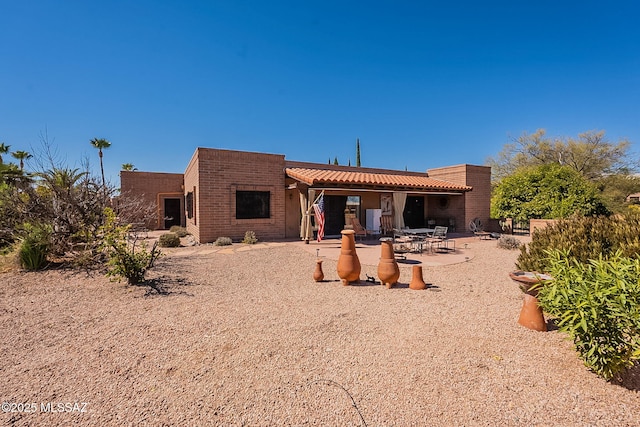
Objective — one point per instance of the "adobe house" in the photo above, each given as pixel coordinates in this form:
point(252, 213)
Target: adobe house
point(224, 193)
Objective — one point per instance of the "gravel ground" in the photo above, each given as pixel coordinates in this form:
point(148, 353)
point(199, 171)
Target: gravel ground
point(248, 338)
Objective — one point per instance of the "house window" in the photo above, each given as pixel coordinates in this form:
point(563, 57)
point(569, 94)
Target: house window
point(189, 204)
point(253, 204)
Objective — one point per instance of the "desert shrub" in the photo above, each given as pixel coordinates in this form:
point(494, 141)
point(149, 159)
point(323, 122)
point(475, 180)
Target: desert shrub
point(127, 259)
point(509, 242)
point(169, 240)
point(223, 241)
point(598, 305)
point(180, 231)
point(35, 242)
point(584, 238)
point(250, 238)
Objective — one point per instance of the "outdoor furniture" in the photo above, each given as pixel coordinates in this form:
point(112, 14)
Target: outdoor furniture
point(439, 238)
point(476, 227)
point(386, 224)
point(402, 244)
point(359, 229)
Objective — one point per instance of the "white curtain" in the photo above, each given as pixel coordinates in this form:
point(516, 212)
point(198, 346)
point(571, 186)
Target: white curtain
point(303, 210)
point(309, 230)
point(399, 199)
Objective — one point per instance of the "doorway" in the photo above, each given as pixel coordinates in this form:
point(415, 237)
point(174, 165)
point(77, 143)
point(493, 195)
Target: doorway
point(414, 212)
point(172, 213)
point(334, 214)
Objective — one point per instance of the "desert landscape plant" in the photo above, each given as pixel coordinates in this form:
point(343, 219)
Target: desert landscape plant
point(223, 241)
point(584, 238)
point(35, 241)
point(509, 242)
point(250, 238)
point(180, 231)
point(598, 305)
point(127, 258)
point(169, 240)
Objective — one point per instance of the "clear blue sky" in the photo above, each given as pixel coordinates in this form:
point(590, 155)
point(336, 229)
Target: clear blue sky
point(423, 84)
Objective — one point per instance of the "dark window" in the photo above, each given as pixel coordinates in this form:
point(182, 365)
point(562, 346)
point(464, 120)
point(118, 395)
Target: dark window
point(252, 204)
point(189, 204)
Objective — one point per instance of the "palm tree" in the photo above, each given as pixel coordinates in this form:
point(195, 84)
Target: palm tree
point(22, 156)
point(129, 167)
point(4, 149)
point(101, 143)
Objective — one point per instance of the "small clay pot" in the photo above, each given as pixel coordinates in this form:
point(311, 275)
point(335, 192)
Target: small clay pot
point(318, 275)
point(348, 262)
point(388, 270)
point(417, 282)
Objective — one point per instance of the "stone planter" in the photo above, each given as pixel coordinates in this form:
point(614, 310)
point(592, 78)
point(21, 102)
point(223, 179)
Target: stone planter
point(348, 262)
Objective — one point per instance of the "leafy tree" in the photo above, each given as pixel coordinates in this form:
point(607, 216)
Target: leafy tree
point(21, 156)
point(547, 191)
point(9, 173)
point(101, 144)
point(4, 149)
point(335, 160)
point(614, 190)
point(590, 154)
point(358, 164)
point(128, 167)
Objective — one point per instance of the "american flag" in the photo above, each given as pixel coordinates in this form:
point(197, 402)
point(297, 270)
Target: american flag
point(319, 211)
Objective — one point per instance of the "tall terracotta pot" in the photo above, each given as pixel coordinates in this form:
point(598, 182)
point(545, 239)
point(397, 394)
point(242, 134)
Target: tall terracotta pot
point(417, 282)
point(348, 262)
point(531, 314)
point(388, 270)
point(318, 274)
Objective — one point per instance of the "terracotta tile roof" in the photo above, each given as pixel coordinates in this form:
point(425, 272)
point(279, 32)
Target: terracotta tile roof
point(410, 181)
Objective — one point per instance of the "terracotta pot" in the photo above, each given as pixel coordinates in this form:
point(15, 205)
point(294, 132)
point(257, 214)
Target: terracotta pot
point(388, 270)
point(417, 282)
point(348, 262)
point(318, 275)
point(531, 314)
point(527, 279)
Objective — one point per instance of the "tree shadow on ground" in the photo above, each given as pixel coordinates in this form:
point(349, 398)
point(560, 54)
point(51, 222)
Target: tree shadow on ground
point(165, 286)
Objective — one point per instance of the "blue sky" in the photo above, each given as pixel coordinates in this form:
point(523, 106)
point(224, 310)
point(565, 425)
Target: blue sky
point(422, 84)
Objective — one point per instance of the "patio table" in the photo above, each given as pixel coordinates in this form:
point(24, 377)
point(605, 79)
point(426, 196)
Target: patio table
point(418, 231)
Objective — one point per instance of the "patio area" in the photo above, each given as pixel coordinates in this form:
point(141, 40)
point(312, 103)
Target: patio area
point(368, 251)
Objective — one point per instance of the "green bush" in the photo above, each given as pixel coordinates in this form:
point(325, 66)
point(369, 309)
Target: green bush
point(584, 238)
point(169, 240)
point(35, 241)
point(126, 258)
point(223, 241)
point(598, 305)
point(180, 231)
point(509, 242)
point(250, 238)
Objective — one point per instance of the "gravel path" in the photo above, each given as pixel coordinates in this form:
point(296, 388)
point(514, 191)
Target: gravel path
point(248, 338)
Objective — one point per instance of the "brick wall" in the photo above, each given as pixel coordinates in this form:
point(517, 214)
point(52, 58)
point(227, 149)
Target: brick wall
point(191, 184)
point(217, 175)
point(477, 202)
point(153, 188)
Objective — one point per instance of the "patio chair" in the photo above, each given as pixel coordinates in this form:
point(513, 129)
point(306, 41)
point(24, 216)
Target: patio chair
point(402, 244)
point(386, 224)
point(439, 238)
point(359, 229)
